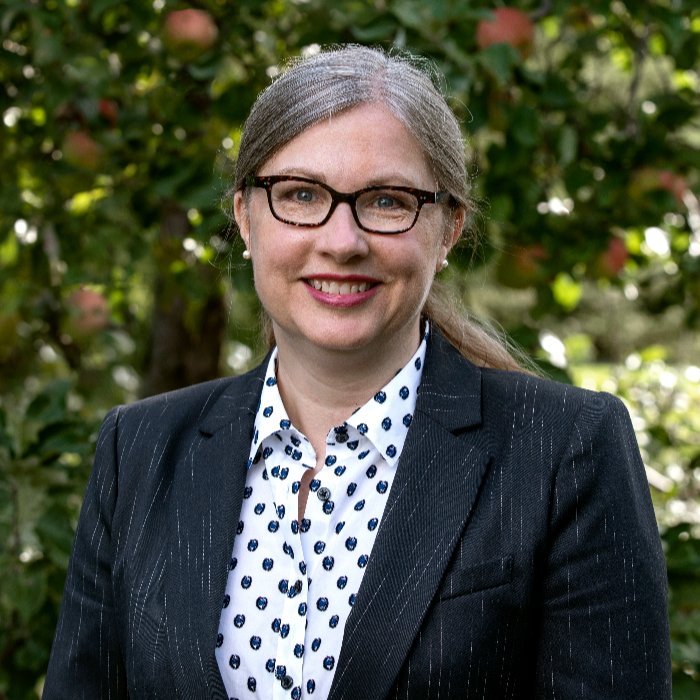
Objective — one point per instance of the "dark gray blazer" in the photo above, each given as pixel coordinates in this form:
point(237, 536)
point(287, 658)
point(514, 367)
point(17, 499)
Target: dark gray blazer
point(518, 556)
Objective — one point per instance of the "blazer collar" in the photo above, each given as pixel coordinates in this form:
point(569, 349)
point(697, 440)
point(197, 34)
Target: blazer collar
point(450, 390)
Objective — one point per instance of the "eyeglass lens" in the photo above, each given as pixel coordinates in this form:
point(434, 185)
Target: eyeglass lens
point(308, 204)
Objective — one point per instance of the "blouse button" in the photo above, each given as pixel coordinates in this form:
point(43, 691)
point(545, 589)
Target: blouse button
point(298, 586)
point(341, 437)
point(287, 682)
point(324, 493)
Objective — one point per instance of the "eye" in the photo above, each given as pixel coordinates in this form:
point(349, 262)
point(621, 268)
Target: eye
point(297, 193)
point(385, 201)
point(390, 201)
point(302, 195)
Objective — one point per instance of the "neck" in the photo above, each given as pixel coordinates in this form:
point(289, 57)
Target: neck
point(320, 388)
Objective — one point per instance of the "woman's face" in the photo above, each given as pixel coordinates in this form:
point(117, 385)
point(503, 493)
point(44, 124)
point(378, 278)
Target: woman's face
point(336, 287)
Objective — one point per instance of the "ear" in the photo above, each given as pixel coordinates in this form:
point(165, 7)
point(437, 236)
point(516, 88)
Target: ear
point(242, 216)
point(453, 231)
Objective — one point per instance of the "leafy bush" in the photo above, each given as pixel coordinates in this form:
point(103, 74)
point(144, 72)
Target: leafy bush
point(44, 461)
point(663, 402)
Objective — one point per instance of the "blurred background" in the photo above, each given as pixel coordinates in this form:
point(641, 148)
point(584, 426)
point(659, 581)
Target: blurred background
point(120, 276)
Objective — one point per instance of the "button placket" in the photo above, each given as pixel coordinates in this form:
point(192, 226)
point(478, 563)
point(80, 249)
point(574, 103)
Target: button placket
point(292, 663)
point(297, 589)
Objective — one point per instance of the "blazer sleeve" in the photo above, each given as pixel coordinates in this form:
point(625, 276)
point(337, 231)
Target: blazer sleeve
point(85, 659)
point(604, 627)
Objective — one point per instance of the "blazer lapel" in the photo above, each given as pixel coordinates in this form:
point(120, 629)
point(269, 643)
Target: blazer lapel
point(207, 495)
point(435, 487)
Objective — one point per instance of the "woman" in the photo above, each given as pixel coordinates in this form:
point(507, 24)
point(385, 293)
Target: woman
point(386, 506)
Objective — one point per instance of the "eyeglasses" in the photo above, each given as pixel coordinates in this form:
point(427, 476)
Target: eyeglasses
point(299, 201)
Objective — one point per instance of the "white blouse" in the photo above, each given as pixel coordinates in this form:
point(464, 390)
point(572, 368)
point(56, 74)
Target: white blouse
point(291, 585)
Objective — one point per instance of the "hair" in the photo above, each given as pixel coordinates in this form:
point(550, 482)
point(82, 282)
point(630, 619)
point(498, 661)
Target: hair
point(314, 88)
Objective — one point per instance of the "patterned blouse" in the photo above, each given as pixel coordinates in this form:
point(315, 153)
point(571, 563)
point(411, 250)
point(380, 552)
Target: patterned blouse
point(291, 584)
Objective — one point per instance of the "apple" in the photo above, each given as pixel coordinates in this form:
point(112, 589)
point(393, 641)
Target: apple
point(522, 267)
point(189, 33)
point(81, 150)
point(508, 26)
point(673, 183)
point(88, 313)
point(109, 111)
point(648, 179)
point(610, 262)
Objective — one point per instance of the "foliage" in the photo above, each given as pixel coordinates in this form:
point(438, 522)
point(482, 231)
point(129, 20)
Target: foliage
point(43, 468)
point(661, 398)
point(584, 150)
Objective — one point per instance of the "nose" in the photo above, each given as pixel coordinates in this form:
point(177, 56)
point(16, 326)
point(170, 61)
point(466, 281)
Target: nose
point(341, 237)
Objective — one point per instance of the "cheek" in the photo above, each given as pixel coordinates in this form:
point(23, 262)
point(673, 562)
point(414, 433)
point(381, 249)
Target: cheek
point(433, 241)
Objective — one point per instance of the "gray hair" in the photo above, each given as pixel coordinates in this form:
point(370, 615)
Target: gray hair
point(317, 87)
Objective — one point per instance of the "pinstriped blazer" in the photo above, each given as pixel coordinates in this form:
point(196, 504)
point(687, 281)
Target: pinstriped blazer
point(518, 555)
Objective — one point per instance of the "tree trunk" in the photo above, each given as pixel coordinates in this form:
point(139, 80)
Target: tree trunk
point(189, 317)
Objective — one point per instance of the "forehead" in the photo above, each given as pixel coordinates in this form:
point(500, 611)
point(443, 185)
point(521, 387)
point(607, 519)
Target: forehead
point(362, 144)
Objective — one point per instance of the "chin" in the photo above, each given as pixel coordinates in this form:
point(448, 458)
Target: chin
point(330, 337)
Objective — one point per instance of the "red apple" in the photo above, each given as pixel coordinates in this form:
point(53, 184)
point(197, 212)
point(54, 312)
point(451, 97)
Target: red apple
point(522, 267)
point(88, 313)
point(610, 262)
point(109, 111)
point(648, 179)
point(508, 26)
point(189, 33)
point(673, 183)
point(81, 150)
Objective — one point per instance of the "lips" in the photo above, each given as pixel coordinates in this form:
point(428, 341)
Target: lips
point(339, 287)
point(342, 292)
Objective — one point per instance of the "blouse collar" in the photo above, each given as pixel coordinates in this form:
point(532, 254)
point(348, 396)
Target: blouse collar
point(384, 419)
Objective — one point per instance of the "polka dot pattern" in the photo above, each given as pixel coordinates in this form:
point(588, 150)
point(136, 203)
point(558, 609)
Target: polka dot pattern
point(292, 584)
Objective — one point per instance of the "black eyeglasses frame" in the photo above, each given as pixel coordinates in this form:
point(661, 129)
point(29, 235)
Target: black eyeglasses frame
point(422, 196)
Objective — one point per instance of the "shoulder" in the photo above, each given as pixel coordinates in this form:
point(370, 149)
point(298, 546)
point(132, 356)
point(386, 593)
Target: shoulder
point(191, 406)
point(540, 403)
point(187, 403)
point(509, 387)
point(519, 390)
point(460, 394)
point(508, 391)
point(529, 418)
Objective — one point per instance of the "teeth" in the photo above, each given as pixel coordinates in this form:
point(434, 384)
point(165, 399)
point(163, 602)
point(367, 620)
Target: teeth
point(336, 288)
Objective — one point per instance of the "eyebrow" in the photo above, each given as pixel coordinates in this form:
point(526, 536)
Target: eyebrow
point(389, 179)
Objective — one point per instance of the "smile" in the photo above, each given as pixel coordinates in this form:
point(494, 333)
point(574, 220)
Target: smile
point(340, 288)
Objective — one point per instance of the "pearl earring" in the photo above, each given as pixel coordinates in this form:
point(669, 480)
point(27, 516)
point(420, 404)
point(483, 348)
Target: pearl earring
point(246, 254)
point(444, 264)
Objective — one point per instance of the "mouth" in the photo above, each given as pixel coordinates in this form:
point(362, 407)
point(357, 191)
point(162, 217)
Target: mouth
point(340, 287)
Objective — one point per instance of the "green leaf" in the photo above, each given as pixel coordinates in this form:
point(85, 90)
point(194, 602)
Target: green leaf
point(568, 145)
point(499, 60)
point(567, 292)
point(376, 31)
point(97, 7)
point(49, 405)
point(56, 535)
point(525, 126)
point(26, 590)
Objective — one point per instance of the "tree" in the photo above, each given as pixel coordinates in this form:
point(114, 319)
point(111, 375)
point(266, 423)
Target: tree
point(120, 275)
